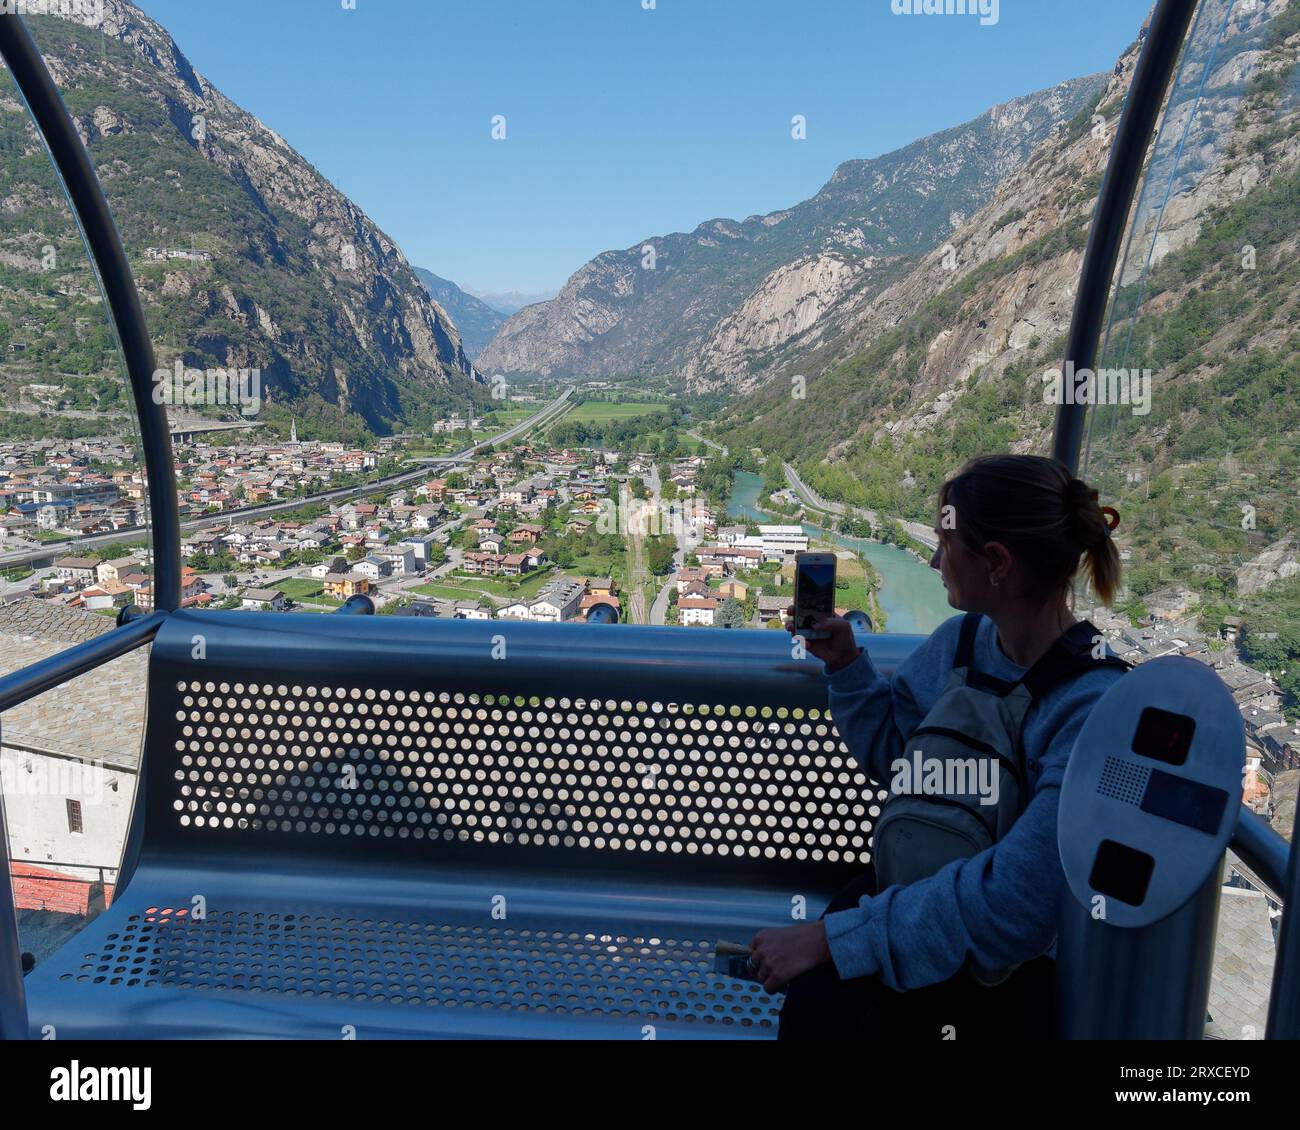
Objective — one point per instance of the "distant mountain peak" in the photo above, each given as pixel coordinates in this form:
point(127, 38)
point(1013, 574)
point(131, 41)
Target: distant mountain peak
point(616, 316)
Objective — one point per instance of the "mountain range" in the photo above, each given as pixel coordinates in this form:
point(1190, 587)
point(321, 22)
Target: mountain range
point(290, 276)
point(948, 361)
point(904, 319)
point(664, 304)
point(508, 302)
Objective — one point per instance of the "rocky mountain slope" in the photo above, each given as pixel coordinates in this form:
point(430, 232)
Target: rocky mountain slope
point(654, 306)
point(475, 319)
point(948, 361)
point(294, 278)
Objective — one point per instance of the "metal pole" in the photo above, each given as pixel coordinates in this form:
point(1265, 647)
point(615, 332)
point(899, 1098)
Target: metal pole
point(105, 244)
point(13, 997)
point(1262, 849)
point(1284, 1000)
point(1151, 79)
point(1151, 983)
point(72, 662)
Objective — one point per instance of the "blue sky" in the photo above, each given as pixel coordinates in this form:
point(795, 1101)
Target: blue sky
point(621, 122)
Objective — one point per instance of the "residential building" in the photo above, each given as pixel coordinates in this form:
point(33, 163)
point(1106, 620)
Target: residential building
point(80, 571)
point(341, 587)
point(274, 599)
point(696, 610)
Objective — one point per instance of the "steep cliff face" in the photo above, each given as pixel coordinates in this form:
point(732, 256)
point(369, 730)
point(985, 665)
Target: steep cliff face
point(947, 361)
point(475, 319)
point(993, 301)
point(658, 305)
point(787, 304)
point(296, 279)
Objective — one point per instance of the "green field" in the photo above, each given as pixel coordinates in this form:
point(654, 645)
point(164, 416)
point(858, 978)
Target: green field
point(428, 446)
point(599, 411)
point(300, 588)
point(600, 566)
point(461, 588)
point(305, 589)
point(860, 595)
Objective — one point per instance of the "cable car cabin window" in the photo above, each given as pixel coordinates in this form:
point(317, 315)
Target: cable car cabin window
point(75, 544)
point(648, 435)
point(1194, 432)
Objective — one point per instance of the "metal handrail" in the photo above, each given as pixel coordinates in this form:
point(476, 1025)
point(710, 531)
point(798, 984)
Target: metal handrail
point(15, 689)
point(1284, 996)
point(91, 211)
point(570, 661)
point(13, 996)
point(20, 686)
point(1262, 849)
point(357, 605)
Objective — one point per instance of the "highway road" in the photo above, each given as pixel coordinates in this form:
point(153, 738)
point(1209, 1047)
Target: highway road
point(922, 533)
point(41, 556)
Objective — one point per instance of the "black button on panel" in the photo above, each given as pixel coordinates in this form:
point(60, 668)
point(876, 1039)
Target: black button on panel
point(1164, 736)
point(1121, 872)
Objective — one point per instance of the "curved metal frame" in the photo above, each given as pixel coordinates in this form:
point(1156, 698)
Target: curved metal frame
point(90, 208)
point(1258, 844)
point(1155, 71)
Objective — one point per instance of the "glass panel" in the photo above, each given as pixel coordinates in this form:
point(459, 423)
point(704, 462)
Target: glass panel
point(74, 546)
point(74, 530)
point(69, 763)
point(1194, 438)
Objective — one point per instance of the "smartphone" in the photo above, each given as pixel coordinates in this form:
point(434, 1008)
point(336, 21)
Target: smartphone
point(732, 960)
point(814, 592)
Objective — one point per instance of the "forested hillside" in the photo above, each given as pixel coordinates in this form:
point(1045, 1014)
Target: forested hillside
point(291, 276)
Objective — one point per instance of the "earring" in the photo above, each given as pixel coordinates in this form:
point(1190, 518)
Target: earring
point(994, 582)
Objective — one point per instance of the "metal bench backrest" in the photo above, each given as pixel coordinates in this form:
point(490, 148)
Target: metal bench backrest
point(677, 752)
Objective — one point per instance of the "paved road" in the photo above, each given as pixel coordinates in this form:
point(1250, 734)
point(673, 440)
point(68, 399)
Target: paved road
point(922, 533)
point(46, 554)
point(709, 443)
point(659, 610)
point(638, 574)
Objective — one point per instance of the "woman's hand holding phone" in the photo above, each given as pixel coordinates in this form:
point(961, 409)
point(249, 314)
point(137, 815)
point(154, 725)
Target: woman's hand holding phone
point(837, 649)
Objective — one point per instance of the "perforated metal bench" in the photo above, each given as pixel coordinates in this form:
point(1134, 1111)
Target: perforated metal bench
point(420, 828)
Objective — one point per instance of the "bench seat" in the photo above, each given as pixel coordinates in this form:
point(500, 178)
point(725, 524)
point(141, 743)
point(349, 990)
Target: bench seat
point(286, 955)
point(381, 827)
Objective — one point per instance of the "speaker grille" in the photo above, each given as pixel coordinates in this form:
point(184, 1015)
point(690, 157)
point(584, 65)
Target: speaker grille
point(1123, 780)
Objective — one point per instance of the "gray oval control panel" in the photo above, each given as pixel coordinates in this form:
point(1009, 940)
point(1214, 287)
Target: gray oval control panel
point(1151, 793)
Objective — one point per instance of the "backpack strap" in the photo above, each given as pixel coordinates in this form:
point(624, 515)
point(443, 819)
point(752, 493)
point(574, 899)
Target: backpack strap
point(1069, 657)
point(965, 657)
point(965, 653)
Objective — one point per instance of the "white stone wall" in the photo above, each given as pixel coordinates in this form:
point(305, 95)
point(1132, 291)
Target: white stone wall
point(36, 812)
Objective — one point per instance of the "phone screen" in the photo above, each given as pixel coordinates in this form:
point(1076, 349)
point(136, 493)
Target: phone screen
point(814, 593)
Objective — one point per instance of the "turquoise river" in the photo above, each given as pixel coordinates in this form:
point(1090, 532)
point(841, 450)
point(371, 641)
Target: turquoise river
point(911, 593)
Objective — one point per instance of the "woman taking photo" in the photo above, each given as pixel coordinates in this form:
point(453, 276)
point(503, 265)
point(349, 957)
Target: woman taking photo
point(950, 933)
